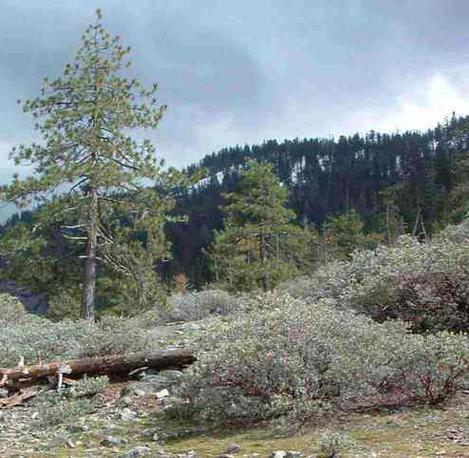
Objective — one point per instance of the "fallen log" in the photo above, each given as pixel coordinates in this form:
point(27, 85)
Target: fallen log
point(106, 365)
point(18, 398)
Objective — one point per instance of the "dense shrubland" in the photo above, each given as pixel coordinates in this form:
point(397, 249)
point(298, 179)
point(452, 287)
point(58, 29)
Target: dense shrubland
point(341, 339)
point(27, 336)
point(424, 284)
point(191, 306)
point(298, 357)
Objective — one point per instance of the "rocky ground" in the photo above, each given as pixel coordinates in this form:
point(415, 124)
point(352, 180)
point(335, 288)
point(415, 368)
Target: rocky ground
point(128, 421)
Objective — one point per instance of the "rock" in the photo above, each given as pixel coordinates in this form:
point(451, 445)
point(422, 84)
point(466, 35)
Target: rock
point(190, 454)
point(292, 454)
point(279, 454)
point(2, 416)
point(162, 379)
point(138, 451)
point(162, 454)
point(76, 429)
point(70, 444)
point(233, 449)
point(225, 455)
point(110, 441)
point(125, 401)
point(139, 393)
point(127, 415)
point(4, 393)
point(162, 394)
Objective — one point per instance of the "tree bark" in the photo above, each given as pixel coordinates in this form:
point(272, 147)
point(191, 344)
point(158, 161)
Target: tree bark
point(89, 281)
point(265, 273)
point(106, 365)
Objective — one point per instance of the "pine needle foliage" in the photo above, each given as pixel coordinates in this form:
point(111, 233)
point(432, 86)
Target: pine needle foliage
point(100, 173)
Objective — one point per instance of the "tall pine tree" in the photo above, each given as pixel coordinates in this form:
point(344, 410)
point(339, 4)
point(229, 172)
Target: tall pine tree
point(259, 245)
point(87, 154)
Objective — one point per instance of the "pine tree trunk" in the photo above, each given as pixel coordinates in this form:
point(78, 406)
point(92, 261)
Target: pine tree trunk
point(89, 281)
point(388, 225)
point(265, 273)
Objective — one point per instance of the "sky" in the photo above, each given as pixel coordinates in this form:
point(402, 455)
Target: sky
point(237, 72)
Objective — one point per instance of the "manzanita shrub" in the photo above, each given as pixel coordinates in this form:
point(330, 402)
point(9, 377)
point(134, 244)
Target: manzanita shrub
point(30, 337)
point(192, 306)
point(424, 284)
point(296, 358)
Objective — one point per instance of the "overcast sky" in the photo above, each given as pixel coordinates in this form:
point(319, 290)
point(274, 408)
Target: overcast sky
point(236, 72)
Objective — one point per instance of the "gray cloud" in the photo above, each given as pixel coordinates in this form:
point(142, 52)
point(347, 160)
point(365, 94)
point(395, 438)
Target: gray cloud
point(236, 72)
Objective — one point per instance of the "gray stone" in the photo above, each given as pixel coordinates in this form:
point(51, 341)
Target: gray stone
point(279, 454)
point(127, 415)
point(233, 448)
point(125, 401)
point(70, 444)
point(137, 452)
point(292, 454)
point(110, 441)
point(3, 393)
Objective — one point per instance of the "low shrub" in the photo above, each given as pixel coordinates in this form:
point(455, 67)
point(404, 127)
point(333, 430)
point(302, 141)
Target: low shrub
point(332, 443)
point(301, 357)
point(88, 386)
point(117, 335)
point(65, 411)
point(198, 305)
point(425, 284)
point(35, 336)
point(11, 310)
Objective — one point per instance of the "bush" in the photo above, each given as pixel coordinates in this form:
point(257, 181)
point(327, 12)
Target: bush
point(301, 357)
point(426, 284)
point(89, 386)
point(67, 339)
point(11, 310)
point(199, 305)
point(117, 335)
point(65, 411)
point(65, 304)
point(331, 444)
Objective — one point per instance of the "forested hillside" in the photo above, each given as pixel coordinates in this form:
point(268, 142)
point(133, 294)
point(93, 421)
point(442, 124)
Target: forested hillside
point(406, 180)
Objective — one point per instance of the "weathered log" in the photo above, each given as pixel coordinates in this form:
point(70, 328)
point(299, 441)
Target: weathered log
point(106, 365)
point(18, 398)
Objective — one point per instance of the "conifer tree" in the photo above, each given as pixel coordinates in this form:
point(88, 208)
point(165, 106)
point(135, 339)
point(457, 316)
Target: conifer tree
point(255, 249)
point(87, 155)
point(344, 233)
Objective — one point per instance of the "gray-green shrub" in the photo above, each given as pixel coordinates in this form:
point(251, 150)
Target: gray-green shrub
point(296, 356)
point(88, 387)
point(33, 336)
point(426, 284)
point(198, 305)
point(11, 310)
point(332, 443)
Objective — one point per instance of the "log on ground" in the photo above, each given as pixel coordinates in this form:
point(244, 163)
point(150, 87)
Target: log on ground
point(107, 365)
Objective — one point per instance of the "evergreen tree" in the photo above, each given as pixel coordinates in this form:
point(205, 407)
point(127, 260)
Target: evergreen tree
point(344, 233)
point(87, 153)
point(259, 246)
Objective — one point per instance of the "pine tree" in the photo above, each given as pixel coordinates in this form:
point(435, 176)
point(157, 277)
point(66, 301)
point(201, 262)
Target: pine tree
point(344, 233)
point(255, 249)
point(84, 118)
